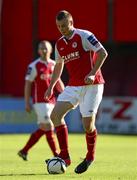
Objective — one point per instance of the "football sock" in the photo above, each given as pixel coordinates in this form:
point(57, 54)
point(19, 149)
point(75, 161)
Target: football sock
point(35, 136)
point(62, 135)
point(91, 145)
point(51, 141)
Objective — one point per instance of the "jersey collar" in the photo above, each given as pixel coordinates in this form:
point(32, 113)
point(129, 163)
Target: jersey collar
point(71, 35)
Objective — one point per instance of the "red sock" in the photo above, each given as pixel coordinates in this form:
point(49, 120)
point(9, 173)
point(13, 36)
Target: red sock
point(51, 141)
point(91, 145)
point(62, 135)
point(35, 136)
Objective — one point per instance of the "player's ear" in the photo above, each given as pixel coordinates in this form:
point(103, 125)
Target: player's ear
point(70, 23)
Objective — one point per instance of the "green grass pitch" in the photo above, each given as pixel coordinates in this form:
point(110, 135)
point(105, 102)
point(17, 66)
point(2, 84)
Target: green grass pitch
point(116, 158)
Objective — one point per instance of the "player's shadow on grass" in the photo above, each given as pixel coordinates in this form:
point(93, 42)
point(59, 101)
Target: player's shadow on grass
point(24, 174)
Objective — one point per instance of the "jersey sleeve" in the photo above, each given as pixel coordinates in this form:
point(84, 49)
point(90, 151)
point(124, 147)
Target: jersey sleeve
point(31, 73)
point(90, 42)
point(58, 58)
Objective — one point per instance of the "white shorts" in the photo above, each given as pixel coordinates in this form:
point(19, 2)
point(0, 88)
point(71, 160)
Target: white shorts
point(43, 111)
point(87, 97)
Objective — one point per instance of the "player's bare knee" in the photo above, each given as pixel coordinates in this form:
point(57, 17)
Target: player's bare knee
point(89, 124)
point(89, 128)
point(46, 126)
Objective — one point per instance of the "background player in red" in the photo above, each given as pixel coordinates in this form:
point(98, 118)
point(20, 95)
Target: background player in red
point(83, 56)
point(39, 74)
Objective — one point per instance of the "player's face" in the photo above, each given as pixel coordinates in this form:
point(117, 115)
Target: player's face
point(43, 50)
point(65, 27)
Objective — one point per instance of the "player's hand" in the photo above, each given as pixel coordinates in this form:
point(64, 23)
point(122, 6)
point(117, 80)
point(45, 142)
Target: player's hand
point(48, 94)
point(89, 79)
point(28, 107)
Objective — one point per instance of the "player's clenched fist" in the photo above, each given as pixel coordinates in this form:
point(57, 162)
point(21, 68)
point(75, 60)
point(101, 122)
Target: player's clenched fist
point(89, 79)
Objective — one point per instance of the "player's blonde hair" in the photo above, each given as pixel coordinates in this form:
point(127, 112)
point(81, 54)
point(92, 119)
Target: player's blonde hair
point(48, 44)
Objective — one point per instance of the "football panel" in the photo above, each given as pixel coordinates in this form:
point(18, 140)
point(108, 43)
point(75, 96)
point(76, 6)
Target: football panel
point(55, 167)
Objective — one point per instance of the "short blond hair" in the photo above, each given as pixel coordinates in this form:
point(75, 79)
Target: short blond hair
point(63, 14)
point(48, 45)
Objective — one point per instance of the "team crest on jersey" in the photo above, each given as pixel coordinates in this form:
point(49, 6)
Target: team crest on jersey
point(74, 44)
point(61, 48)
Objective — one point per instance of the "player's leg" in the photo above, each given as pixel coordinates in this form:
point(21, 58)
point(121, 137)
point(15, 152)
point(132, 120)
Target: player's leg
point(48, 129)
point(66, 101)
point(88, 109)
point(34, 137)
point(47, 126)
point(57, 117)
point(43, 111)
point(91, 138)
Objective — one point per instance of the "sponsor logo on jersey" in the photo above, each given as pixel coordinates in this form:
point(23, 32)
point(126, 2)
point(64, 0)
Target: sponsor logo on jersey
point(71, 56)
point(93, 41)
point(74, 44)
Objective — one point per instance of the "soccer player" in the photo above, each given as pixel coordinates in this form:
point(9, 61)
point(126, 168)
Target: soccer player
point(83, 55)
point(39, 75)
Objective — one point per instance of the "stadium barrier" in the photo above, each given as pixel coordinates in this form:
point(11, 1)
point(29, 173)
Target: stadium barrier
point(116, 115)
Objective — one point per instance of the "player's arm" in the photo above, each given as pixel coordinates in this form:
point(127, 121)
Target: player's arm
point(56, 74)
point(30, 76)
point(59, 86)
point(100, 54)
point(27, 95)
point(55, 77)
point(99, 57)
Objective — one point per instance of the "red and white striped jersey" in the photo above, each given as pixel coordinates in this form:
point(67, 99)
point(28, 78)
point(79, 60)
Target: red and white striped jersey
point(40, 72)
point(78, 55)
